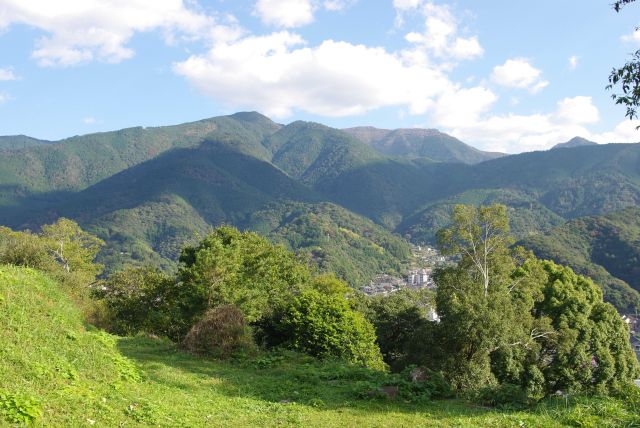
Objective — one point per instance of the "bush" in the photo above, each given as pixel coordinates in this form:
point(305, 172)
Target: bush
point(430, 385)
point(325, 326)
point(504, 396)
point(221, 333)
point(143, 299)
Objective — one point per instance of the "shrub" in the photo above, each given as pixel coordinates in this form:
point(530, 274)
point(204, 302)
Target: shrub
point(221, 333)
point(504, 396)
point(325, 326)
point(143, 299)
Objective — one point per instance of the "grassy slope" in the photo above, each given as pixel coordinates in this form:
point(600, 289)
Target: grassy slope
point(82, 377)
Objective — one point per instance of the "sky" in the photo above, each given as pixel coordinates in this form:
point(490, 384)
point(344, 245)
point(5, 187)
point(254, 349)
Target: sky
point(501, 75)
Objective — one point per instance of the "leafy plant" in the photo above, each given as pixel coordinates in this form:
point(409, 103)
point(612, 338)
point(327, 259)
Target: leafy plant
point(19, 409)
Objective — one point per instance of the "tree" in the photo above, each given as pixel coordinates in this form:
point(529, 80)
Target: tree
point(324, 325)
point(476, 299)
point(627, 77)
point(536, 324)
point(242, 269)
point(143, 299)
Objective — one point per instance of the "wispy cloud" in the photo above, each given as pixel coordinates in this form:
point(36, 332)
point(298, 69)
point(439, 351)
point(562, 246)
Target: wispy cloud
point(8, 74)
point(573, 62)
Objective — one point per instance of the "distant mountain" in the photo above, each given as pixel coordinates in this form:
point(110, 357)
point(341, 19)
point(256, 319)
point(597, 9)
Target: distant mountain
point(420, 143)
point(312, 152)
point(606, 248)
point(574, 142)
point(147, 191)
point(17, 142)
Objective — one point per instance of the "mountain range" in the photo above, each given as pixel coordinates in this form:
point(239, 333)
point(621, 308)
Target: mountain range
point(348, 199)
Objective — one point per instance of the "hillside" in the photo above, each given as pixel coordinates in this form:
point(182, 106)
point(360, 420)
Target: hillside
point(606, 248)
point(420, 143)
point(65, 374)
point(335, 239)
point(17, 142)
point(78, 162)
point(311, 152)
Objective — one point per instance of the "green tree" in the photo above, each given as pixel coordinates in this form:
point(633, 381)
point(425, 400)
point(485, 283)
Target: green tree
point(403, 330)
point(509, 318)
point(324, 325)
point(144, 299)
point(241, 269)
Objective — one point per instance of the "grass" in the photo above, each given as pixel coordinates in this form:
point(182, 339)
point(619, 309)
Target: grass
point(58, 372)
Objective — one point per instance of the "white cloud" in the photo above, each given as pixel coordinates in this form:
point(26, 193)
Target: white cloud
point(440, 36)
point(573, 62)
point(7, 74)
point(4, 97)
point(294, 13)
point(513, 133)
point(624, 132)
point(84, 30)
point(278, 74)
point(404, 5)
point(89, 120)
point(285, 13)
point(632, 38)
point(337, 5)
point(518, 73)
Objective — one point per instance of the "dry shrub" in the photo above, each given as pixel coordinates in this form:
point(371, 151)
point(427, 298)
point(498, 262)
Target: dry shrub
point(221, 332)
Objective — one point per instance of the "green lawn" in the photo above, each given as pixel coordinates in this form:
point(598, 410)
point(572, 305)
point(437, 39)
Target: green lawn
point(77, 376)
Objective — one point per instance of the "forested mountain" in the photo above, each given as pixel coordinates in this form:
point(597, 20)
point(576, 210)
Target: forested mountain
point(420, 143)
point(17, 142)
point(606, 248)
point(148, 190)
point(574, 142)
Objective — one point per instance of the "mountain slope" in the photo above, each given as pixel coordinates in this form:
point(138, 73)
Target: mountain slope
point(335, 239)
point(311, 152)
point(606, 248)
point(17, 142)
point(78, 162)
point(420, 143)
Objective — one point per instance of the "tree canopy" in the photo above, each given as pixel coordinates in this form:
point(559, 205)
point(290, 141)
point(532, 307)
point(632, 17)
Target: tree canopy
point(509, 318)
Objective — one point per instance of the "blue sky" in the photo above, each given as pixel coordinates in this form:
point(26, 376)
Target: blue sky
point(501, 75)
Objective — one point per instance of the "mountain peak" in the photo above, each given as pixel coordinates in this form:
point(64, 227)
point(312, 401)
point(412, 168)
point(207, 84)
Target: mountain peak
point(250, 116)
point(574, 142)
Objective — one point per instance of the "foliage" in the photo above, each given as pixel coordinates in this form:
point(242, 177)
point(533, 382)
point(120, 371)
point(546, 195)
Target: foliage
point(62, 250)
point(605, 248)
point(627, 77)
point(509, 318)
point(504, 396)
point(402, 327)
point(221, 332)
point(19, 409)
point(324, 325)
point(334, 239)
point(175, 388)
point(143, 299)
point(239, 268)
